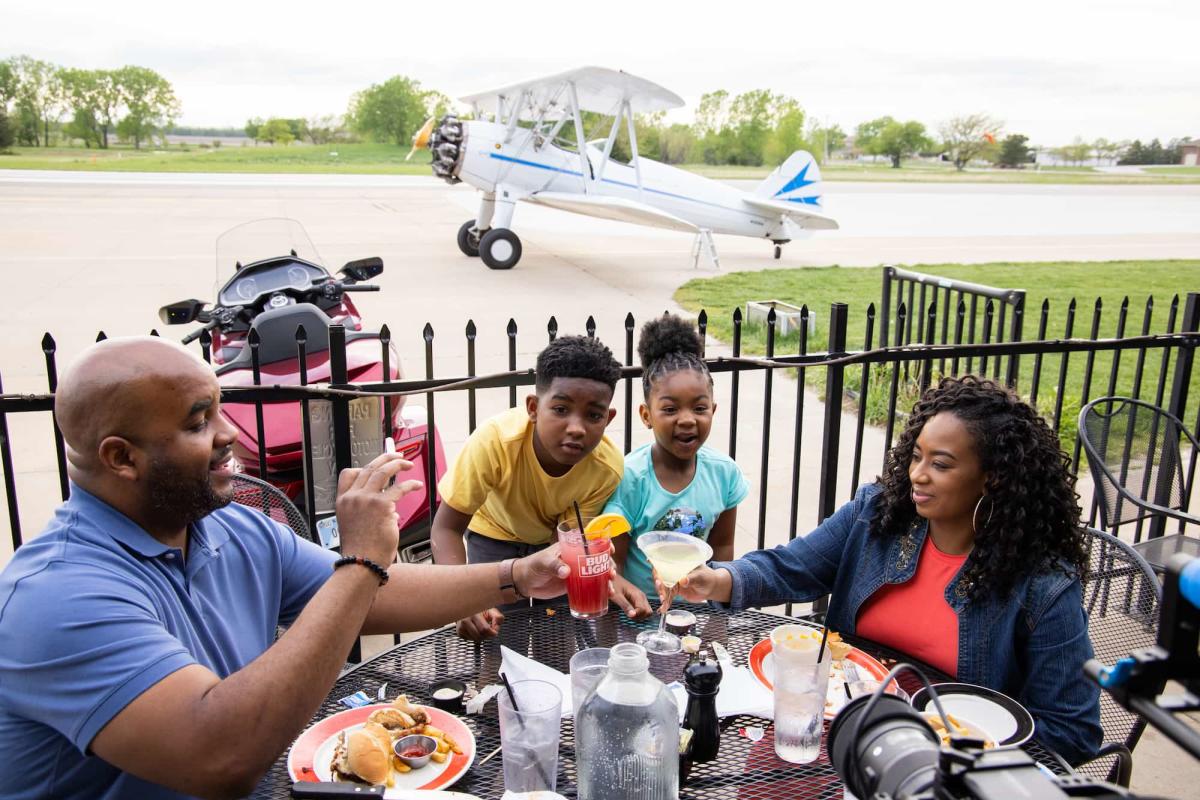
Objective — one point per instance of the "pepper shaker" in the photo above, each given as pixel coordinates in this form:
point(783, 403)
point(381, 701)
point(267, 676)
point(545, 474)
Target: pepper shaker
point(702, 680)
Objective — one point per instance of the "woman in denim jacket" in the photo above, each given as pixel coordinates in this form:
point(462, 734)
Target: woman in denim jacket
point(966, 554)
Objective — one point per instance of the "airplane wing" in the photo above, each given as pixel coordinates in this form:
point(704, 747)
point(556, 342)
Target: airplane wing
point(614, 208)
point(804, 217)
point(598, 89)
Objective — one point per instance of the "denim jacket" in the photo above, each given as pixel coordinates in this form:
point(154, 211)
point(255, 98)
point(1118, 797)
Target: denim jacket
point(1030, 644)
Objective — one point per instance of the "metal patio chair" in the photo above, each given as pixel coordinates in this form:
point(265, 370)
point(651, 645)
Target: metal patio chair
point(1121, 596)
point(1141, 472)
point(258, 494)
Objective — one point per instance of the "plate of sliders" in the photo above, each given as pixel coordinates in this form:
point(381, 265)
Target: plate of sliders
point(359, 746)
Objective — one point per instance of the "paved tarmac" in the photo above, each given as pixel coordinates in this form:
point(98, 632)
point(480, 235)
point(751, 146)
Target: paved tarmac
point(85, 252)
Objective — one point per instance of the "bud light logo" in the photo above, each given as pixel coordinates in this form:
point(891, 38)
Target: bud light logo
point(592, 565)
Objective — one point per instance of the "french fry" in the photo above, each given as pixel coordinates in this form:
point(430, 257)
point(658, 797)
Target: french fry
point(453, 744)
point(400, 766)
point(442, 747)
point(436, 733)
point(439, 757)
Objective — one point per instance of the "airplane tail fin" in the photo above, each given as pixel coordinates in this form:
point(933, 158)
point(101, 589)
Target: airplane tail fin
point(797, 180)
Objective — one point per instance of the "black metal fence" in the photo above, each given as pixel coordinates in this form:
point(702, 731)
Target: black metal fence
point(889, 371)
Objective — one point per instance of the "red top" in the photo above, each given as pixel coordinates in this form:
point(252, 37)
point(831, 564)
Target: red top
point(914, 617)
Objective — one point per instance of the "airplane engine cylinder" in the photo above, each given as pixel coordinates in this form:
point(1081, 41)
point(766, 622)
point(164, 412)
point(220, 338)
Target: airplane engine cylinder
point(445, 143)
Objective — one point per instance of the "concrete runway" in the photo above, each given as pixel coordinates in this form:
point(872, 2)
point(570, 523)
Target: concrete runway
point(102, 251)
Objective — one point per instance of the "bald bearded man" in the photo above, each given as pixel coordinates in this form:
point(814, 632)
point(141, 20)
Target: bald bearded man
point(136, 633)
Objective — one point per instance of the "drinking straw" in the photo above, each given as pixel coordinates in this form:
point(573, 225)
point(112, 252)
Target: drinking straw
point(512, 697)
point(579, 521)
point(821, 651)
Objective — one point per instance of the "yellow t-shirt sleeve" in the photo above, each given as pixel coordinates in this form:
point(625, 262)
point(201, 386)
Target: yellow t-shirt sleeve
point(591, 504)
point(475, 473)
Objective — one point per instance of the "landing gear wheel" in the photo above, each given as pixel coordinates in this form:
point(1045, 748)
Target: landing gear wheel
point(778, 252)
point(468, 241)
point(500, 248)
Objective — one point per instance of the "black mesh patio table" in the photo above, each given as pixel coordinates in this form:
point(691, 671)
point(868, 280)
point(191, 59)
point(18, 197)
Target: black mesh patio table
point(743, 770)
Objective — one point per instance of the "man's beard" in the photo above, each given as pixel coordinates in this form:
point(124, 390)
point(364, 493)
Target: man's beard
point(181, 497)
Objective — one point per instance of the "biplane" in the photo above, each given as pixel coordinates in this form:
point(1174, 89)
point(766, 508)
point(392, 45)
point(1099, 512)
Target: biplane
point(520, 155)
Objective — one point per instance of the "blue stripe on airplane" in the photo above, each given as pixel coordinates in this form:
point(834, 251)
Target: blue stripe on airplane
point(812, 201)
point(536, 165)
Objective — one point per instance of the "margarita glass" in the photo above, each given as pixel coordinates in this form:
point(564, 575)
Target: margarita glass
point(673, 555)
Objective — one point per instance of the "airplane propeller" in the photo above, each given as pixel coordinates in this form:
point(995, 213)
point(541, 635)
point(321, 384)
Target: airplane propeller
point(421, 139)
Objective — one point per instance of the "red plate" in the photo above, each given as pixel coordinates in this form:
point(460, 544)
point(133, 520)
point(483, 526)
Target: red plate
point(762, 665)
point(311, 754)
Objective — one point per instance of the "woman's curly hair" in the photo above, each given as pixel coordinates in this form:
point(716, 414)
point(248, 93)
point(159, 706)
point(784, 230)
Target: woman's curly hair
point(1029, 519)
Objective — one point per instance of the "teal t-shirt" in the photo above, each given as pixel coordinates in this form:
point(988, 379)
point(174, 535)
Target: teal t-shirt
point(718, 485)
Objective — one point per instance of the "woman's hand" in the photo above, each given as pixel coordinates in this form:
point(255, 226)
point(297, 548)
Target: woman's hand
point(705, 583)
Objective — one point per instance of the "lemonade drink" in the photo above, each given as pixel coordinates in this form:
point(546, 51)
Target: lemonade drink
point(673, 555)
point(674, 559)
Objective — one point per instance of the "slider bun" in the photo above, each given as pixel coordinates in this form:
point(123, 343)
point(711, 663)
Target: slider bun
point(369, 753)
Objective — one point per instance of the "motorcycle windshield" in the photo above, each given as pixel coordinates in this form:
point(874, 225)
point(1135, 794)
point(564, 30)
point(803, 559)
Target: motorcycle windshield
point(263, 238)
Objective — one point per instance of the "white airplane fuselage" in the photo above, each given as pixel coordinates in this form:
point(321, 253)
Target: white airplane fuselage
point(493, 160)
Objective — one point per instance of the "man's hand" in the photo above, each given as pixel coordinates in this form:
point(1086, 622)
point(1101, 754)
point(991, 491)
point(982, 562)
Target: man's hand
point(704, 583)
point(630, 598)
point(483, 625)
point(366, 508)
point(541, 575)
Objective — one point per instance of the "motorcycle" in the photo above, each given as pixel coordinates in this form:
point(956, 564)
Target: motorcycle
point(274, 294)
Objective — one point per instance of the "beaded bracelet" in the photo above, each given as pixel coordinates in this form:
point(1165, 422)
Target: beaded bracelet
point(379, 571)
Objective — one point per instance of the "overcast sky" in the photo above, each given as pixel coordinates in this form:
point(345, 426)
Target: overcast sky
point(1053, 69)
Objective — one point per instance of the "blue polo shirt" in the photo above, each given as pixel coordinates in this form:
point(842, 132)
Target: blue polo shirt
point(95, 611)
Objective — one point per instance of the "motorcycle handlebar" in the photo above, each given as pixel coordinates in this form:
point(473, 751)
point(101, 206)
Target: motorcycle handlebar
point(359, 287)
point(194, 335)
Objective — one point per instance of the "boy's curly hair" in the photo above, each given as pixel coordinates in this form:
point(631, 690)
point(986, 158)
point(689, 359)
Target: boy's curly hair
point(666, 345)
point(576, 357)
point(1032, 521)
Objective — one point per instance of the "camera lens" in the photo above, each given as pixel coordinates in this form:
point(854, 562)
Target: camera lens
point(892, 752)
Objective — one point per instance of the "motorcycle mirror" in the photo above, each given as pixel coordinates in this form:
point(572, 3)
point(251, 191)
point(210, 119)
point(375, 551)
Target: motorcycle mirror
point(180, 313)
point(363, 269)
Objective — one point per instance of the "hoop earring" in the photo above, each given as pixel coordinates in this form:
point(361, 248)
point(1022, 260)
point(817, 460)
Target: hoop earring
point(975, 514)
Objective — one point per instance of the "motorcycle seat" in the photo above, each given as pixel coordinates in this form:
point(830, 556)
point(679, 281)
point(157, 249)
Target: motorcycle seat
point(277, 335)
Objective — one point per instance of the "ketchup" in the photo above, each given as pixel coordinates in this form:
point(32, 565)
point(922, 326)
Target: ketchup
point(415, 751)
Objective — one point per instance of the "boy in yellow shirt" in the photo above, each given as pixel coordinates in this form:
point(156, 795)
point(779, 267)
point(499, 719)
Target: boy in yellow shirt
point(520, 472)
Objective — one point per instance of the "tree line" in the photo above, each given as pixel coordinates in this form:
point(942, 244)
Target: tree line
point(758, 128)
point(40, 101)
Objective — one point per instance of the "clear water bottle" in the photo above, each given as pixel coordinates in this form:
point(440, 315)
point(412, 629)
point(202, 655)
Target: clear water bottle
point(627, 734)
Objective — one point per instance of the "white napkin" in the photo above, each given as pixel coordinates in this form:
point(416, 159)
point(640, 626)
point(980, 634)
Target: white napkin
point(740, 693)
point(519, 668)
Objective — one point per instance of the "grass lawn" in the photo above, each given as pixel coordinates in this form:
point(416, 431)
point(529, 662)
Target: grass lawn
point(1056, 283)
point(342, 158)
point(931, 172)
point(1181, 170)
point(386, 159)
